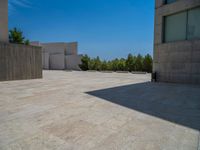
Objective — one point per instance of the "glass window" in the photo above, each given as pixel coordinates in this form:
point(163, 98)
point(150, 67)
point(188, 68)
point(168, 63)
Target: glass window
point(169, 1)
point(193, 24)
point(175, 27)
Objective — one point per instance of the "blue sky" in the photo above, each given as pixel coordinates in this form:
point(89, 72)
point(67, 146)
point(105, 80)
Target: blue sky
point(105, 28)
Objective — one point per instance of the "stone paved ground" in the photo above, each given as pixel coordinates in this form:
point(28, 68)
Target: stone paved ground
point(100, 111)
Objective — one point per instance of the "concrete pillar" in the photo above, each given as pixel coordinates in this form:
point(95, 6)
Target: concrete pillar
point(4, 20)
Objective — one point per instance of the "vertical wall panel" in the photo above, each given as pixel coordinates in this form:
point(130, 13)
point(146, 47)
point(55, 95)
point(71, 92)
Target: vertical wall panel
point(18, 62)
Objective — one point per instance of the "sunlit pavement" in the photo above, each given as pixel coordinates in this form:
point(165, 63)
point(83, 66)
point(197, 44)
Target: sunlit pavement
point(98, 111)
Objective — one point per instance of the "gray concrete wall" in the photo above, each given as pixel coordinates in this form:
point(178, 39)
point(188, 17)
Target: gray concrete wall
point(177, 62)
point(54, 55)
point(71, 48)
point(54, 48)
point(60, 47)
point(72, 62)
point(57, 61)
point(45, 60)
point(35, 43)
point(4, 20)
point(18, 62)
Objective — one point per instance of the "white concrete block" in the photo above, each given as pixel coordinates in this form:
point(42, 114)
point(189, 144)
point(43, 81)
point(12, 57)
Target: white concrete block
point(72, 62)
point(57, 62)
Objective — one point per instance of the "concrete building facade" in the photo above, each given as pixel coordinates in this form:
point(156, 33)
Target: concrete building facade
point(177, 41)
point(4, 20)
point(60, 56)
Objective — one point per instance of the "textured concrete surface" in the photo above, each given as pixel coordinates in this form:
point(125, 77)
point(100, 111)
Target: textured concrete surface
point(178, 61)
point(45, 60)
point(18, 62)
point(101, 111)
point(72, 62)
point(4, 20)
point(57, 61)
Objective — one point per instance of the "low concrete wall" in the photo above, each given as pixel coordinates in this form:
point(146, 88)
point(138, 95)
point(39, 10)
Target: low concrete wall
point(19, 62)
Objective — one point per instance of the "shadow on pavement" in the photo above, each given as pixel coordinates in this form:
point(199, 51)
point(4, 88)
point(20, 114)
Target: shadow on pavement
point(175, 103)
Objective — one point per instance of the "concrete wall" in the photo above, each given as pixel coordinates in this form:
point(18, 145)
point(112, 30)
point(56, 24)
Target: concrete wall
point(54, 48)
point(71, 48)
point(177, 62)
point(19, 62)
point(72, 62)
point(4, 20)
point(54, 55)
point(57, 61)
point(35, 43)
point(59, 47)
point(45, 60)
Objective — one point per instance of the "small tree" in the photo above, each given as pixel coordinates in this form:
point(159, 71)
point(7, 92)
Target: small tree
point(91, 65)
point(139, 63)
point(130, 63)
point(85, 63)
point(16, 36)
point(104, 66)
point(97, 64)
point(109, 66)
point(147, 64)
point(114, 64)
point(27, 42)
point(122, 64)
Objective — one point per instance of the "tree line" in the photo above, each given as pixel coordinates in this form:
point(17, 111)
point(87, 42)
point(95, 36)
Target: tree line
point(131, 63)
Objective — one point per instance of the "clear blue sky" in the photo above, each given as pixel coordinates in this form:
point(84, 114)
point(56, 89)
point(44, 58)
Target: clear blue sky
point(105, 28)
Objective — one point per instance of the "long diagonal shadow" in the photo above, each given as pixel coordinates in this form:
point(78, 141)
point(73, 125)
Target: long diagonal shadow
point(176, 103)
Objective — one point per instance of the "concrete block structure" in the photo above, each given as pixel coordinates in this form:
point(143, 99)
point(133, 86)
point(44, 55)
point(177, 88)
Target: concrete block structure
point(45, 60)
point(20, 62)
point(177, 41)
point(4, 20)
point(72, 61)
point(57, 61)
point(60, 55)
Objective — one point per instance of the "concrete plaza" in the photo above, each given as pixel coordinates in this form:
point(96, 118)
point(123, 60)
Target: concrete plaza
point(101, 111)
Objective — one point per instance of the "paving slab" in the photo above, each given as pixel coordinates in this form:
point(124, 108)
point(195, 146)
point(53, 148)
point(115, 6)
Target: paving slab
point(94, 110)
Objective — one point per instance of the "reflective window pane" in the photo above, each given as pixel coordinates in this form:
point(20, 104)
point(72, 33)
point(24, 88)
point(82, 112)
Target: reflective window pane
point(193, 24)
point(175, 27)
